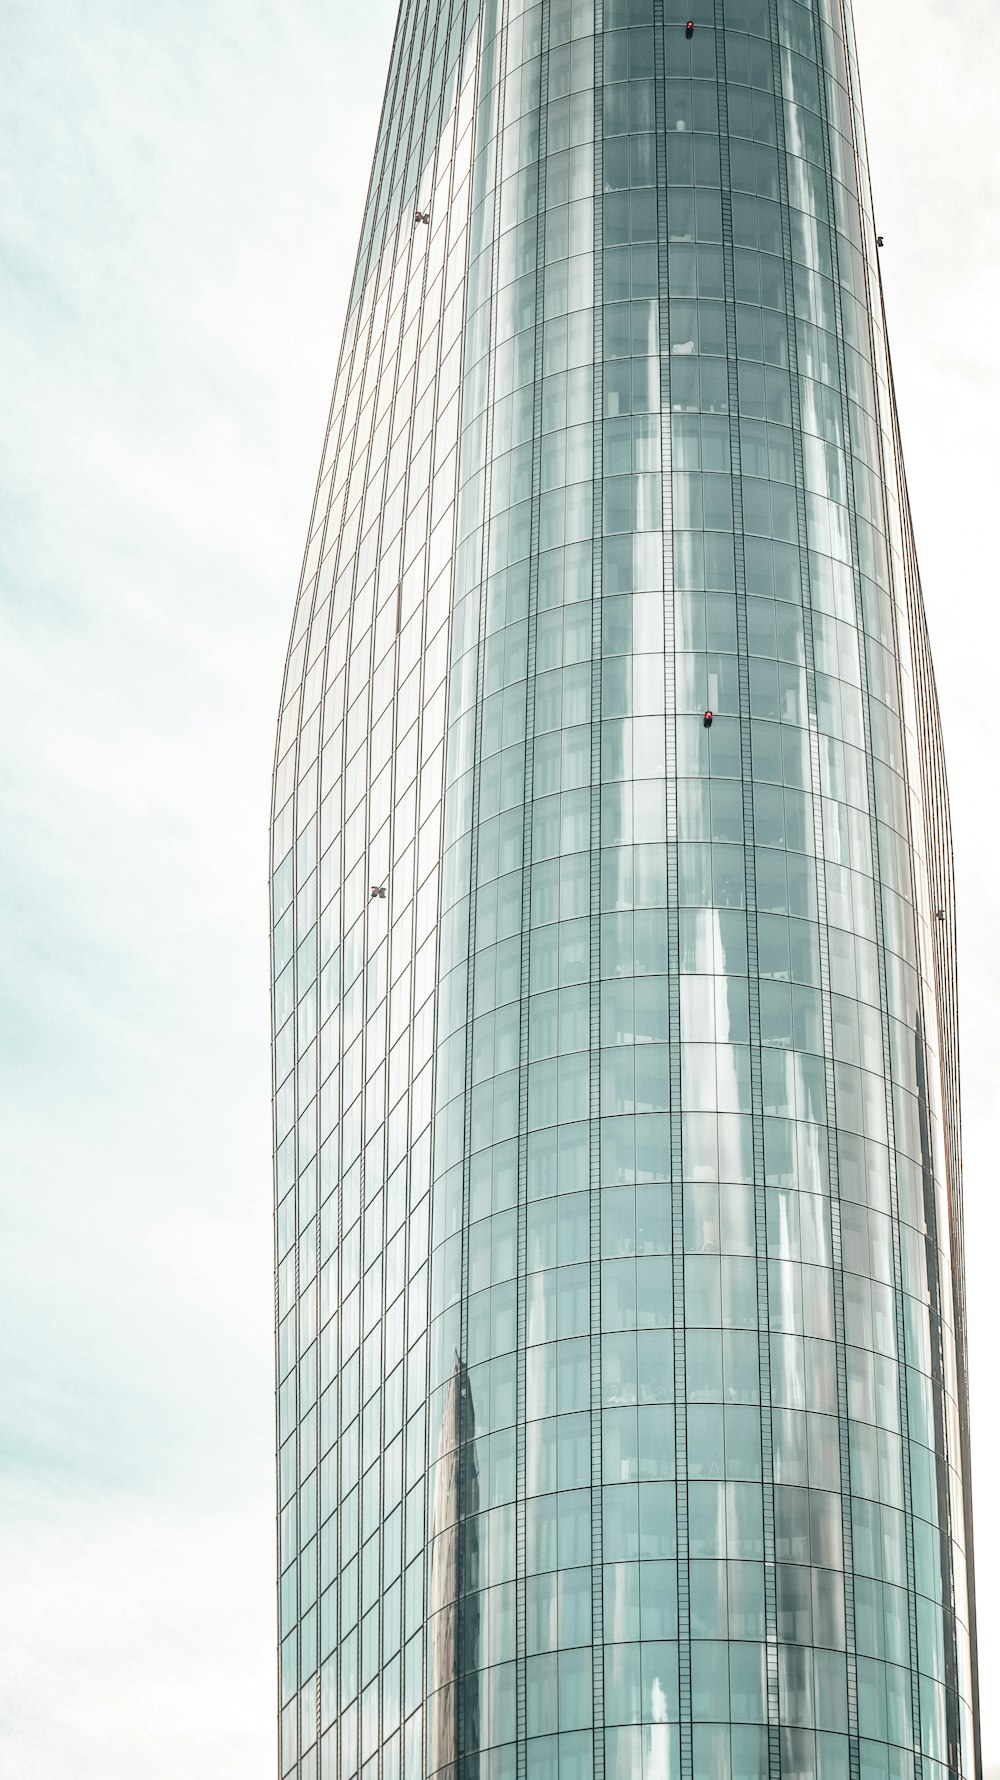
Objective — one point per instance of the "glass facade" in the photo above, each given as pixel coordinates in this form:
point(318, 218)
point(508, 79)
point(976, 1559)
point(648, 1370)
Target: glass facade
point(622, 1405)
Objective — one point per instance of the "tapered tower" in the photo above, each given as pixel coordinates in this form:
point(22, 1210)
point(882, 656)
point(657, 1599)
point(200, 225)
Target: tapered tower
point(622, 1403)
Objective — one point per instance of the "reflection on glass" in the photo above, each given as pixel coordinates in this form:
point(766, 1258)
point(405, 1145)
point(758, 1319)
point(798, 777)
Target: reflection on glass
point(454, 1603)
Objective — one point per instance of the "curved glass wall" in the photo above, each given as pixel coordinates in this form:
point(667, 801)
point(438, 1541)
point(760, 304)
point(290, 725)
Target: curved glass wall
point(621, 1353)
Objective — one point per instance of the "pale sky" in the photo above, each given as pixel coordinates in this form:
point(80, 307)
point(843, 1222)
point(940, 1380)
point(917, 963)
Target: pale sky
point(181, 197)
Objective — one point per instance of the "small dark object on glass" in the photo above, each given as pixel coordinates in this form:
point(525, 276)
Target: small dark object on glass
point(689, 28)
point(707, 719)
point(423, 216)
point(377, 893)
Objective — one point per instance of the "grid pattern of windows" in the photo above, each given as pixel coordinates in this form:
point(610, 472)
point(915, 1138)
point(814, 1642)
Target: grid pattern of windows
point(621, 1368)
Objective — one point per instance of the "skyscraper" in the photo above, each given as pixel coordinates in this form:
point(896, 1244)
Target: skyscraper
point(621, 1340)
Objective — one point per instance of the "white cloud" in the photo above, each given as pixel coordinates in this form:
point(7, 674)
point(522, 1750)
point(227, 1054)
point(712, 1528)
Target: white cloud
point(153, 1673)
point(175, 280)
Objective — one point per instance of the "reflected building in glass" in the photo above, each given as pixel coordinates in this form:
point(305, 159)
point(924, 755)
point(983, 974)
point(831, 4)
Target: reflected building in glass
point(454, 1590)
point(621, 1335)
